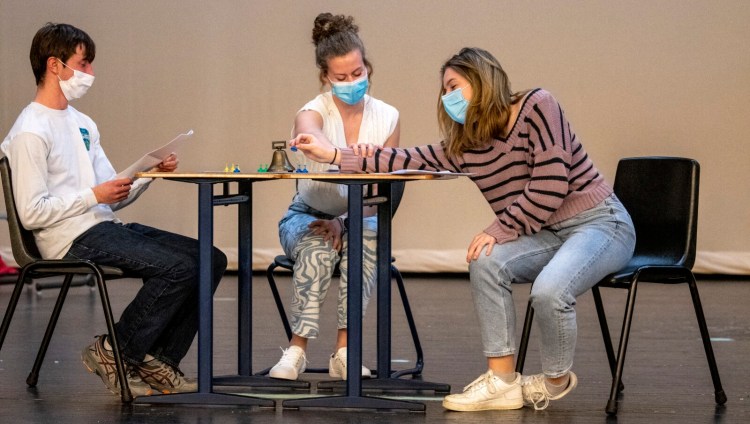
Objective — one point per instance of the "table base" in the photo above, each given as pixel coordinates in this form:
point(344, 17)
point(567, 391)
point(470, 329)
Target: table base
point(205, 399)
point(259, 381)
point(353, 402)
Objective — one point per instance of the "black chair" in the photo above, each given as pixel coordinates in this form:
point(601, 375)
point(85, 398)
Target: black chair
point(661, 195)
point(33, 266)
point(282, 261)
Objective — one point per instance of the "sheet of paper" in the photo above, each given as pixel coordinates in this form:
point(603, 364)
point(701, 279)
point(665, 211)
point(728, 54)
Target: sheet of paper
point(426, 172)
point(151, 159)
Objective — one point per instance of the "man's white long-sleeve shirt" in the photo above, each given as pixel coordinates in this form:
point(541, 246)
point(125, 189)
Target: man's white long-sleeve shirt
point(56, 160)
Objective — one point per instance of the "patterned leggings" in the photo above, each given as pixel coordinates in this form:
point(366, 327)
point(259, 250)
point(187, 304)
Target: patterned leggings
point(314, 263)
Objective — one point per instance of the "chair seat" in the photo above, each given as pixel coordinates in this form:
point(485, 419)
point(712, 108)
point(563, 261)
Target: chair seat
point(55, 269)
point(664, 274)
point(284, 262)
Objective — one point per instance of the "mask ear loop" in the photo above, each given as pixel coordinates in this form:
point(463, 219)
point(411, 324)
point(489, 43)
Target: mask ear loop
point(63, 64)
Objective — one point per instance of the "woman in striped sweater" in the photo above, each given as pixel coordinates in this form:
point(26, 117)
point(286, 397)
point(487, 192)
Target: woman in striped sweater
point(558, 224)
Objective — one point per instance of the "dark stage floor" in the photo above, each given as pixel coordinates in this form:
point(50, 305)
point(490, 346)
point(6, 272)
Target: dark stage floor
point(666, 375)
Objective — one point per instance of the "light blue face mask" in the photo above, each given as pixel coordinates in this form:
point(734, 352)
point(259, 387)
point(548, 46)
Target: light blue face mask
point(350, 92)
point(455, 105)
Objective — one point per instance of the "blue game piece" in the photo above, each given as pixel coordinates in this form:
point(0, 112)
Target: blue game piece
point(293, 148)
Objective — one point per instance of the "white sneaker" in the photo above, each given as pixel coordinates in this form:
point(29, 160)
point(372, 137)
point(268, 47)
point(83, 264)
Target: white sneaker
point(485, 393)
point(291, 364)
point(337, 365)
point(535, 390)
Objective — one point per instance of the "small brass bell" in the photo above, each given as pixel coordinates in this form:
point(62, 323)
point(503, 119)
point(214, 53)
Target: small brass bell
point(280, 162)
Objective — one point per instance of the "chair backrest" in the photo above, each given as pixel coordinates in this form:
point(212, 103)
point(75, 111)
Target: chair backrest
point(22, 240)
point(397, 193)
point(661, 195)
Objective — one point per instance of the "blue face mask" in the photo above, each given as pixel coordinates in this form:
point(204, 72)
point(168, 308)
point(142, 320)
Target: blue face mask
point(350, 92)
point(455, 105)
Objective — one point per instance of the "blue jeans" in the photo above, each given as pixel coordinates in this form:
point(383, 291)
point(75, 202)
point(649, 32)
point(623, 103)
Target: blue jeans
point(562, 261)
point(162, 319)
point(314, 262)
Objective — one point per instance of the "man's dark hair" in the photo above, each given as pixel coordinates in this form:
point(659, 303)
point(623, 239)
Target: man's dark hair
point(60, 41)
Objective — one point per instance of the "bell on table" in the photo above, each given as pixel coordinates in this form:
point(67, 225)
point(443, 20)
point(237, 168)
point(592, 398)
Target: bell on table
point(280, 162)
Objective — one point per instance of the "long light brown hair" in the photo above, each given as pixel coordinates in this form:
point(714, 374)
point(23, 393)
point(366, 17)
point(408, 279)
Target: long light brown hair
point(489, 108)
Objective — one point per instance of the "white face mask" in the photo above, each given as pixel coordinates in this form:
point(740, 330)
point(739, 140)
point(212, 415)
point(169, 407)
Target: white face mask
point(77, 85)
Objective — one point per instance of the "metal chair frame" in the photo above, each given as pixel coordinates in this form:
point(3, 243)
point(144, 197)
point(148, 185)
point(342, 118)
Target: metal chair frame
point(33, 266)
point(661, 195)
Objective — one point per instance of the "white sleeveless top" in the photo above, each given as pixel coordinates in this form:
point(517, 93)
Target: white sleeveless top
point(379, 120)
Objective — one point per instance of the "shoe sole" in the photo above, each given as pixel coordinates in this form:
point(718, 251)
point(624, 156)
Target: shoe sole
point(165, 391)
point(482, 406)
point(280, 377)
point(572, 383)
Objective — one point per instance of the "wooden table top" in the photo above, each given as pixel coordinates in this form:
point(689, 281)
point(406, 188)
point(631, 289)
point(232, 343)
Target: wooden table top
point(217, 175)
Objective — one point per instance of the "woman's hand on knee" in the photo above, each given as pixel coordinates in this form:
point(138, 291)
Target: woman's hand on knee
point(477, 244)
point(330, 229)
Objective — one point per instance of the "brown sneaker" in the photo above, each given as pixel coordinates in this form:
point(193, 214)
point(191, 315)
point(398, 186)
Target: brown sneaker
point(165, 378)
point(99, 360)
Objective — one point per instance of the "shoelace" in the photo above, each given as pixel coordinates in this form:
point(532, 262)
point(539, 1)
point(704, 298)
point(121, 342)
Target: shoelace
point(533, 389)
point(286, 358)
point(177, 370)
point(485, 378)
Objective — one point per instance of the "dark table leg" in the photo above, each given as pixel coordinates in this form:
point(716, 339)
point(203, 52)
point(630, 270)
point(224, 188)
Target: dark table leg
point(205, 393)
point(245, 376)
point(384, 381)
point(353, 397)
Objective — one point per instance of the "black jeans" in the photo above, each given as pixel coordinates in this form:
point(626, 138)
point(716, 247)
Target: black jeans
point(162, 319)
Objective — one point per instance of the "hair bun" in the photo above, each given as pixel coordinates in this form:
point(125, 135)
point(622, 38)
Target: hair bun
point(327, 24)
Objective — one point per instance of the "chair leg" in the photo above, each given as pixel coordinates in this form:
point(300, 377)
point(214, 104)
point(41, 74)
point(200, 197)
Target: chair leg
point(607, 338)
point(719, 395)
point(12, 306)
point(277, 299)
point(524, 345)
point(33, 377)
point(282, 316)
point(624, 335)
point(125, 394)
point(419, 364)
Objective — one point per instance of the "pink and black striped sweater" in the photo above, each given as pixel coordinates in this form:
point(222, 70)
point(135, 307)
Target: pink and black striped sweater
point(538, 176)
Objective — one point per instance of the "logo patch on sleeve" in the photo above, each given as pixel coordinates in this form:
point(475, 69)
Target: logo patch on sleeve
point(86, 138)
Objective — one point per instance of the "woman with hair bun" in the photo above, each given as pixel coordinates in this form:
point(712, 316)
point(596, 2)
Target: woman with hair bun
point(312, 230)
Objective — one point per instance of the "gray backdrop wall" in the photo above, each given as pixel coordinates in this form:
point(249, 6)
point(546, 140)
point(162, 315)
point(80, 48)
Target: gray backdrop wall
point(640, 77)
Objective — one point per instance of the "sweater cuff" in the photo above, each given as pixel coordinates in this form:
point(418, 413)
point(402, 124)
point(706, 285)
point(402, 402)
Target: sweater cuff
point(502, 235)
point(349, 161)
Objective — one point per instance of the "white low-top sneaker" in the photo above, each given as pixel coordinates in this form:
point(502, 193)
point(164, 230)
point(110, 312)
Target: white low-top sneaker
point(337, 365)
point(291, 364)
point(535, 390)
point(487, 392)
